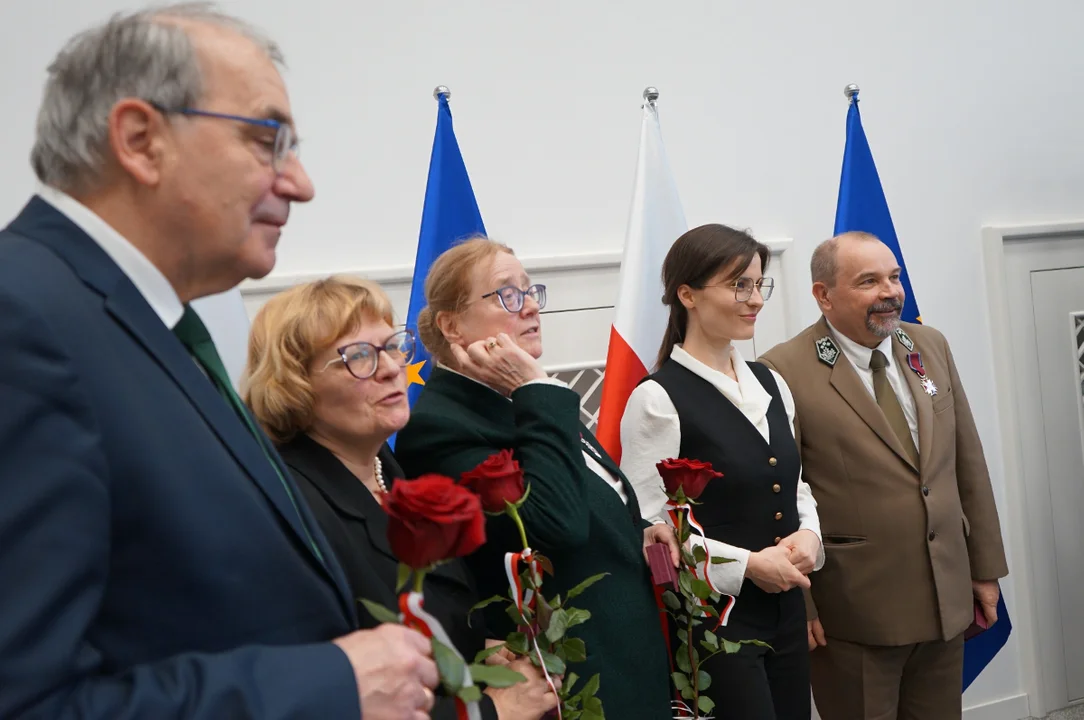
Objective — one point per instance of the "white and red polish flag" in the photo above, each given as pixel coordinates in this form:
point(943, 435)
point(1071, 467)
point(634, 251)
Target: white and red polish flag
point(656, 220)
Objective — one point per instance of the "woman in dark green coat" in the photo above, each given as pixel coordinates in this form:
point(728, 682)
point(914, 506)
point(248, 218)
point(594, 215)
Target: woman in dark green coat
point(488, 394)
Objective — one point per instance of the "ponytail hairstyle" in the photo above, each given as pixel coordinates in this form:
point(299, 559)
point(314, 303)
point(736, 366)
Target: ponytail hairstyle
point(694, 259)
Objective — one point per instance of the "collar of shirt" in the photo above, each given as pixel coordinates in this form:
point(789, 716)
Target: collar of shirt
point(747, 393)
point(148, 279)
point(860, 355)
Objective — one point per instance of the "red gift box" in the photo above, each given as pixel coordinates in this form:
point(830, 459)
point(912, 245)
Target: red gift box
point(978, 625)
point(663, 572)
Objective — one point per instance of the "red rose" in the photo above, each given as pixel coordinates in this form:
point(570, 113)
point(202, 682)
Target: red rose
point(690, 476)
point(497, 480)
point(432, 519)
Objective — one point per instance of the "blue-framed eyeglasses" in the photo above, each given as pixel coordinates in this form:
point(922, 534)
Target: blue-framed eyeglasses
point(511, 297)
point(285, 143)
point(363, 358)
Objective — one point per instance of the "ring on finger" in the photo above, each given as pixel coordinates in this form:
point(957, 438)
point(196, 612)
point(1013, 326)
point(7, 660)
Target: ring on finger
point(491, 344)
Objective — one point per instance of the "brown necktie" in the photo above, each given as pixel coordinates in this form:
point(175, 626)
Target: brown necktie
point(890, 404)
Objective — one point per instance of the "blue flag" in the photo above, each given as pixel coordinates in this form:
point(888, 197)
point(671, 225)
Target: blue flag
point(450, 214)
point(862, 207)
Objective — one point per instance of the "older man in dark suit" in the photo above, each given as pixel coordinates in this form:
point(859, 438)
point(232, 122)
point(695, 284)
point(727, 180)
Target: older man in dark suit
point(911, 533)
point(157, 560)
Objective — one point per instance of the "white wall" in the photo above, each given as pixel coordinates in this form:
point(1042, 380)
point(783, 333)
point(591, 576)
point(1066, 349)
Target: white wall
point(972, 108)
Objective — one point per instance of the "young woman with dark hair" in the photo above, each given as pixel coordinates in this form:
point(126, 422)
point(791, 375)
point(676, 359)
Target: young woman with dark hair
point(705, 402)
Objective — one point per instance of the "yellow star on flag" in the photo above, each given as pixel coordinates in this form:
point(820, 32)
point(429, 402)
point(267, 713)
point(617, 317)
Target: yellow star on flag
point(414, 374)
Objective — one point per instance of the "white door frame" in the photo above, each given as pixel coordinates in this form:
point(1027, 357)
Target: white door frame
point(1036, 612)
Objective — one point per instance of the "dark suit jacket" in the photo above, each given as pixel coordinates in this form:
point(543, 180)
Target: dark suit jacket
point(356, 527)
point(902, 542)
point(571, 515)
point(152, 562)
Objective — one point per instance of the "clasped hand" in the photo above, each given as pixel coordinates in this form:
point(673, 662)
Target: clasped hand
point(785, 565)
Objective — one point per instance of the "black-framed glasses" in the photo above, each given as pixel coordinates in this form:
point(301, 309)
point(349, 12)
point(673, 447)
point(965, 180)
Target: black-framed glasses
point(511, 297)
point(743, 288)
point(363, 358)
point(285, 143)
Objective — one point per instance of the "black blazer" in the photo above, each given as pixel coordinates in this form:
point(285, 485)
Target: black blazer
point(356, 527)
point(153, 563)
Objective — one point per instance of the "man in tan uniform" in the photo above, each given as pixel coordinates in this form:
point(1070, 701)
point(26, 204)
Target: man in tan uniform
point(910, 530)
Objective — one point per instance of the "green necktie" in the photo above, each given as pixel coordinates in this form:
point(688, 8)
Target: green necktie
point(193, 333)
point(890, 404)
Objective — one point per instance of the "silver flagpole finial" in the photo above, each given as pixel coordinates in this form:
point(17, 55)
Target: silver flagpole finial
point(851, 91)
point(442, 90)
point(651, 94)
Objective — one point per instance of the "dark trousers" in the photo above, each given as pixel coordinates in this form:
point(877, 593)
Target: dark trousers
point(758, 683)
point(911, 682)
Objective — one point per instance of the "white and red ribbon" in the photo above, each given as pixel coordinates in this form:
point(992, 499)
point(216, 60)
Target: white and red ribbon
point(683, 711)
point(511, 567)
point(674, 510)
point(414, 616)
point(526, 598)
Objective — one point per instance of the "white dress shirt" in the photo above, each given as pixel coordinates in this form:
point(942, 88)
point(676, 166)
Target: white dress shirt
point(860, 356)
point(592, 464)
point(148, 280)
point(651, 431)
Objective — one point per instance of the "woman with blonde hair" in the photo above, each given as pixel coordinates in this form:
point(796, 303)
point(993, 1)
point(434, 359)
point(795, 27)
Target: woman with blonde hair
point(326, 379)
point(488, 394)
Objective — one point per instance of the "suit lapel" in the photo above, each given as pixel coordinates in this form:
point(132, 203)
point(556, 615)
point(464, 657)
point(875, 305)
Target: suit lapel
point(923, 402)
point(845, 380)
point(340, 487)
point(847, 383)
point(130, 310)
point(595, 449)
point(43, 223)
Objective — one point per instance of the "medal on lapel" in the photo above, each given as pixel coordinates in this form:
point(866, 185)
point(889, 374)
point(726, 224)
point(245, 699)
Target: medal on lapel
point(914, 361)
point(590, 448)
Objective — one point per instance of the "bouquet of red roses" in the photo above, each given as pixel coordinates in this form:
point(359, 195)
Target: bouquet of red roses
point(542, 624)
point(432, 520)
point(684, 480)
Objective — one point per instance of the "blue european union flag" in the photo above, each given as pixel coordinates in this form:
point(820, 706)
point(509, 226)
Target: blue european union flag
point(862, 207)
point(450, 214)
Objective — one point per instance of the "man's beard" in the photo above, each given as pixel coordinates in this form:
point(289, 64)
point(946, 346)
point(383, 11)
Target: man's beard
point(880, 326)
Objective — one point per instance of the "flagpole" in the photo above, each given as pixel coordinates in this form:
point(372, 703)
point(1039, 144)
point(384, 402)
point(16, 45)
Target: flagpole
point(851, 92)
point(651, 95)
point(442, 90)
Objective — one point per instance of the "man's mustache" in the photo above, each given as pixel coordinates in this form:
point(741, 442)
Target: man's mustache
point(892, 305)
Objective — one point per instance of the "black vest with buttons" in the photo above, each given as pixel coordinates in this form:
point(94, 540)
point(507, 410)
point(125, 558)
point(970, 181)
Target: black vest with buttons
point(754, 504)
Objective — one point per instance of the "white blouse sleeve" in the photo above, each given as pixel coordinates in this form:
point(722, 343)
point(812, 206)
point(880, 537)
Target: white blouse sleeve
point(651, 432)
point(807, 505)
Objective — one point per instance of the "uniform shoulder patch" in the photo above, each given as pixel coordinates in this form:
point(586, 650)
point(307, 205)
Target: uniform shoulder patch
point(827, 350)
point(905, 339)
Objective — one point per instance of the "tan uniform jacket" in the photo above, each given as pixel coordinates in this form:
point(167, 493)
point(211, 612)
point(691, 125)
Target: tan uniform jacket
point(902, 543)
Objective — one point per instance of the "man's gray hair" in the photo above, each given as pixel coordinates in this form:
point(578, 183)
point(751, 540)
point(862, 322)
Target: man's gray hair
point(133, 55)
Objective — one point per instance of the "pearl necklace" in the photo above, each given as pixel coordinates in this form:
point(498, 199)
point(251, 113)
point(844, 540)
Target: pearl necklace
point(378, 470)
